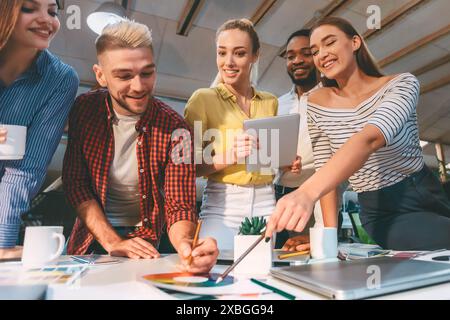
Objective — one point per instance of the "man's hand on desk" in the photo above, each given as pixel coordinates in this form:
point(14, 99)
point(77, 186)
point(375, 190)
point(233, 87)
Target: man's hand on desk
point(204, 255)
point(3, 135)
point(298, 243)
point(11, 253)
point(295, 167)
point(135, 248)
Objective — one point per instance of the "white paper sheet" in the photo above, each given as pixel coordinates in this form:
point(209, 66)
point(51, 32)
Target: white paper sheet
point(431, 255)
point(117, 291)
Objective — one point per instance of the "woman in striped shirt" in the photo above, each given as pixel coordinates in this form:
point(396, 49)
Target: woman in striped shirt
point(37, 91)
point(363, 127)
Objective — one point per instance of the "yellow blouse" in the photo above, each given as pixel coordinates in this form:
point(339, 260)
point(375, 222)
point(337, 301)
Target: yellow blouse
point(217, 108)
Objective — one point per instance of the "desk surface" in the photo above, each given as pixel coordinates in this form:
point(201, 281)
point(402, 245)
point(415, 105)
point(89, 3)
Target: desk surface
point(120, 281)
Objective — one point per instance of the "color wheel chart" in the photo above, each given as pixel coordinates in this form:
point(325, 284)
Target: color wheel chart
point(186, 279)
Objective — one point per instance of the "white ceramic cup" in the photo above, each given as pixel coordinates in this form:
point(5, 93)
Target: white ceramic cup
point(14, 146)
point(323, 242)
point(42, 245)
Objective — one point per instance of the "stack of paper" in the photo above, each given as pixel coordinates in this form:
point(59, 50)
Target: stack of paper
point(115, 291)
point(13, 274)
point(360, 250)
point(17, 282)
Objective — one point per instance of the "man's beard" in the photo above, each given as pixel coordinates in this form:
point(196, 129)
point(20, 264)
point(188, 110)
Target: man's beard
point(124, 105)
point(309, 81)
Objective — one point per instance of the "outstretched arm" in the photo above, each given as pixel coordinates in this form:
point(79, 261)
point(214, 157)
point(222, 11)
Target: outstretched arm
point(349, 158)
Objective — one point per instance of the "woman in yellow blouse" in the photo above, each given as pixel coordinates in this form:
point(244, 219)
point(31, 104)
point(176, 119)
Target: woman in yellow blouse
point(217, 115)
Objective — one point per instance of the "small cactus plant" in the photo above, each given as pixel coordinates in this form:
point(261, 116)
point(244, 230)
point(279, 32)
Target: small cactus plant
point(254, 226)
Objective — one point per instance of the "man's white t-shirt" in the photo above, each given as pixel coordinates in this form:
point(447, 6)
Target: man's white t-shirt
point(287, 104)
point(122, 197)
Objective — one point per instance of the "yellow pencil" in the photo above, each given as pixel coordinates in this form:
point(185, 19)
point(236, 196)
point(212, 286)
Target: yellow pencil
point(194, 243)
point(293, 254)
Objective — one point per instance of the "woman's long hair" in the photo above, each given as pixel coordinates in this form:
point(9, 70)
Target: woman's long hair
point(10, 10)
point(366, 62)
point(246, 26)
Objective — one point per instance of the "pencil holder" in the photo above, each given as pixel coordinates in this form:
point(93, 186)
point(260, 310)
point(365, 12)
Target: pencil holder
point(258, 261)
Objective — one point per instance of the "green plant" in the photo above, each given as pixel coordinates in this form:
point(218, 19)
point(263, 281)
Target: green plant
point(253, 226)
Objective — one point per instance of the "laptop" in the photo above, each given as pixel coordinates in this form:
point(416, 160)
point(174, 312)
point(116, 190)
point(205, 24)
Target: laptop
point(357, 279)
point(278, 139)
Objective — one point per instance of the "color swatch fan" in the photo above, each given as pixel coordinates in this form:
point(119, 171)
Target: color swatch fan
point(194, 283)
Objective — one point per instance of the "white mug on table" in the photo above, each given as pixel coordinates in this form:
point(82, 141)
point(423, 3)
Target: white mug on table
point(42, 245)
point(323, 242)
point(14, 146)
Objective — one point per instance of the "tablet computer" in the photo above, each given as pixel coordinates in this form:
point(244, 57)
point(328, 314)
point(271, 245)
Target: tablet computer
point(278, 140)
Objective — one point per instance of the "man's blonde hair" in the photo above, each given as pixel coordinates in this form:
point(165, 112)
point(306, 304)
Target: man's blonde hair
point(126, 34)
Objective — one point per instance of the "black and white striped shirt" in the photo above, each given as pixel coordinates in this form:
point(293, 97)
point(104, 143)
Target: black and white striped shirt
point(393, 111)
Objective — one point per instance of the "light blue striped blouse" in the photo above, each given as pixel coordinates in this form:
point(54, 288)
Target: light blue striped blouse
point(40, 99)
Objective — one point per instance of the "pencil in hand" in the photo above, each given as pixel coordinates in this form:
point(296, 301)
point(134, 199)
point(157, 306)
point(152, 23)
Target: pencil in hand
point(230, 268)
point(194, 243)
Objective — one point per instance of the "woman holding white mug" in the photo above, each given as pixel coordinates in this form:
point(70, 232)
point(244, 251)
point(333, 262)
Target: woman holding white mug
point(36, 91)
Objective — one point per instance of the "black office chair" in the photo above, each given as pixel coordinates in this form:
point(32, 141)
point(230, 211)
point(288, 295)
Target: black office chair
point(446, 186)
point(360, 234)
point(49, 208)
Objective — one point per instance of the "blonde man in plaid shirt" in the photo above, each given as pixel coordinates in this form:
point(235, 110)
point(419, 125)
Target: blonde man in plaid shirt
point(119, 172)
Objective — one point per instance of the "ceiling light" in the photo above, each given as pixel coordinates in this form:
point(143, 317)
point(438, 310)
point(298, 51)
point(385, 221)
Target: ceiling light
point(107, 13)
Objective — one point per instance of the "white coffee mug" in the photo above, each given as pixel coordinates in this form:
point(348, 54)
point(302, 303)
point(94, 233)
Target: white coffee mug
point(14, 146)
point(42, 245)
point(323, 242)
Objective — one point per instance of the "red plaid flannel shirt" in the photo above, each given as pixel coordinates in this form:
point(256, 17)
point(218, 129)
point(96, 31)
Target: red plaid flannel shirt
point(167, 189)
